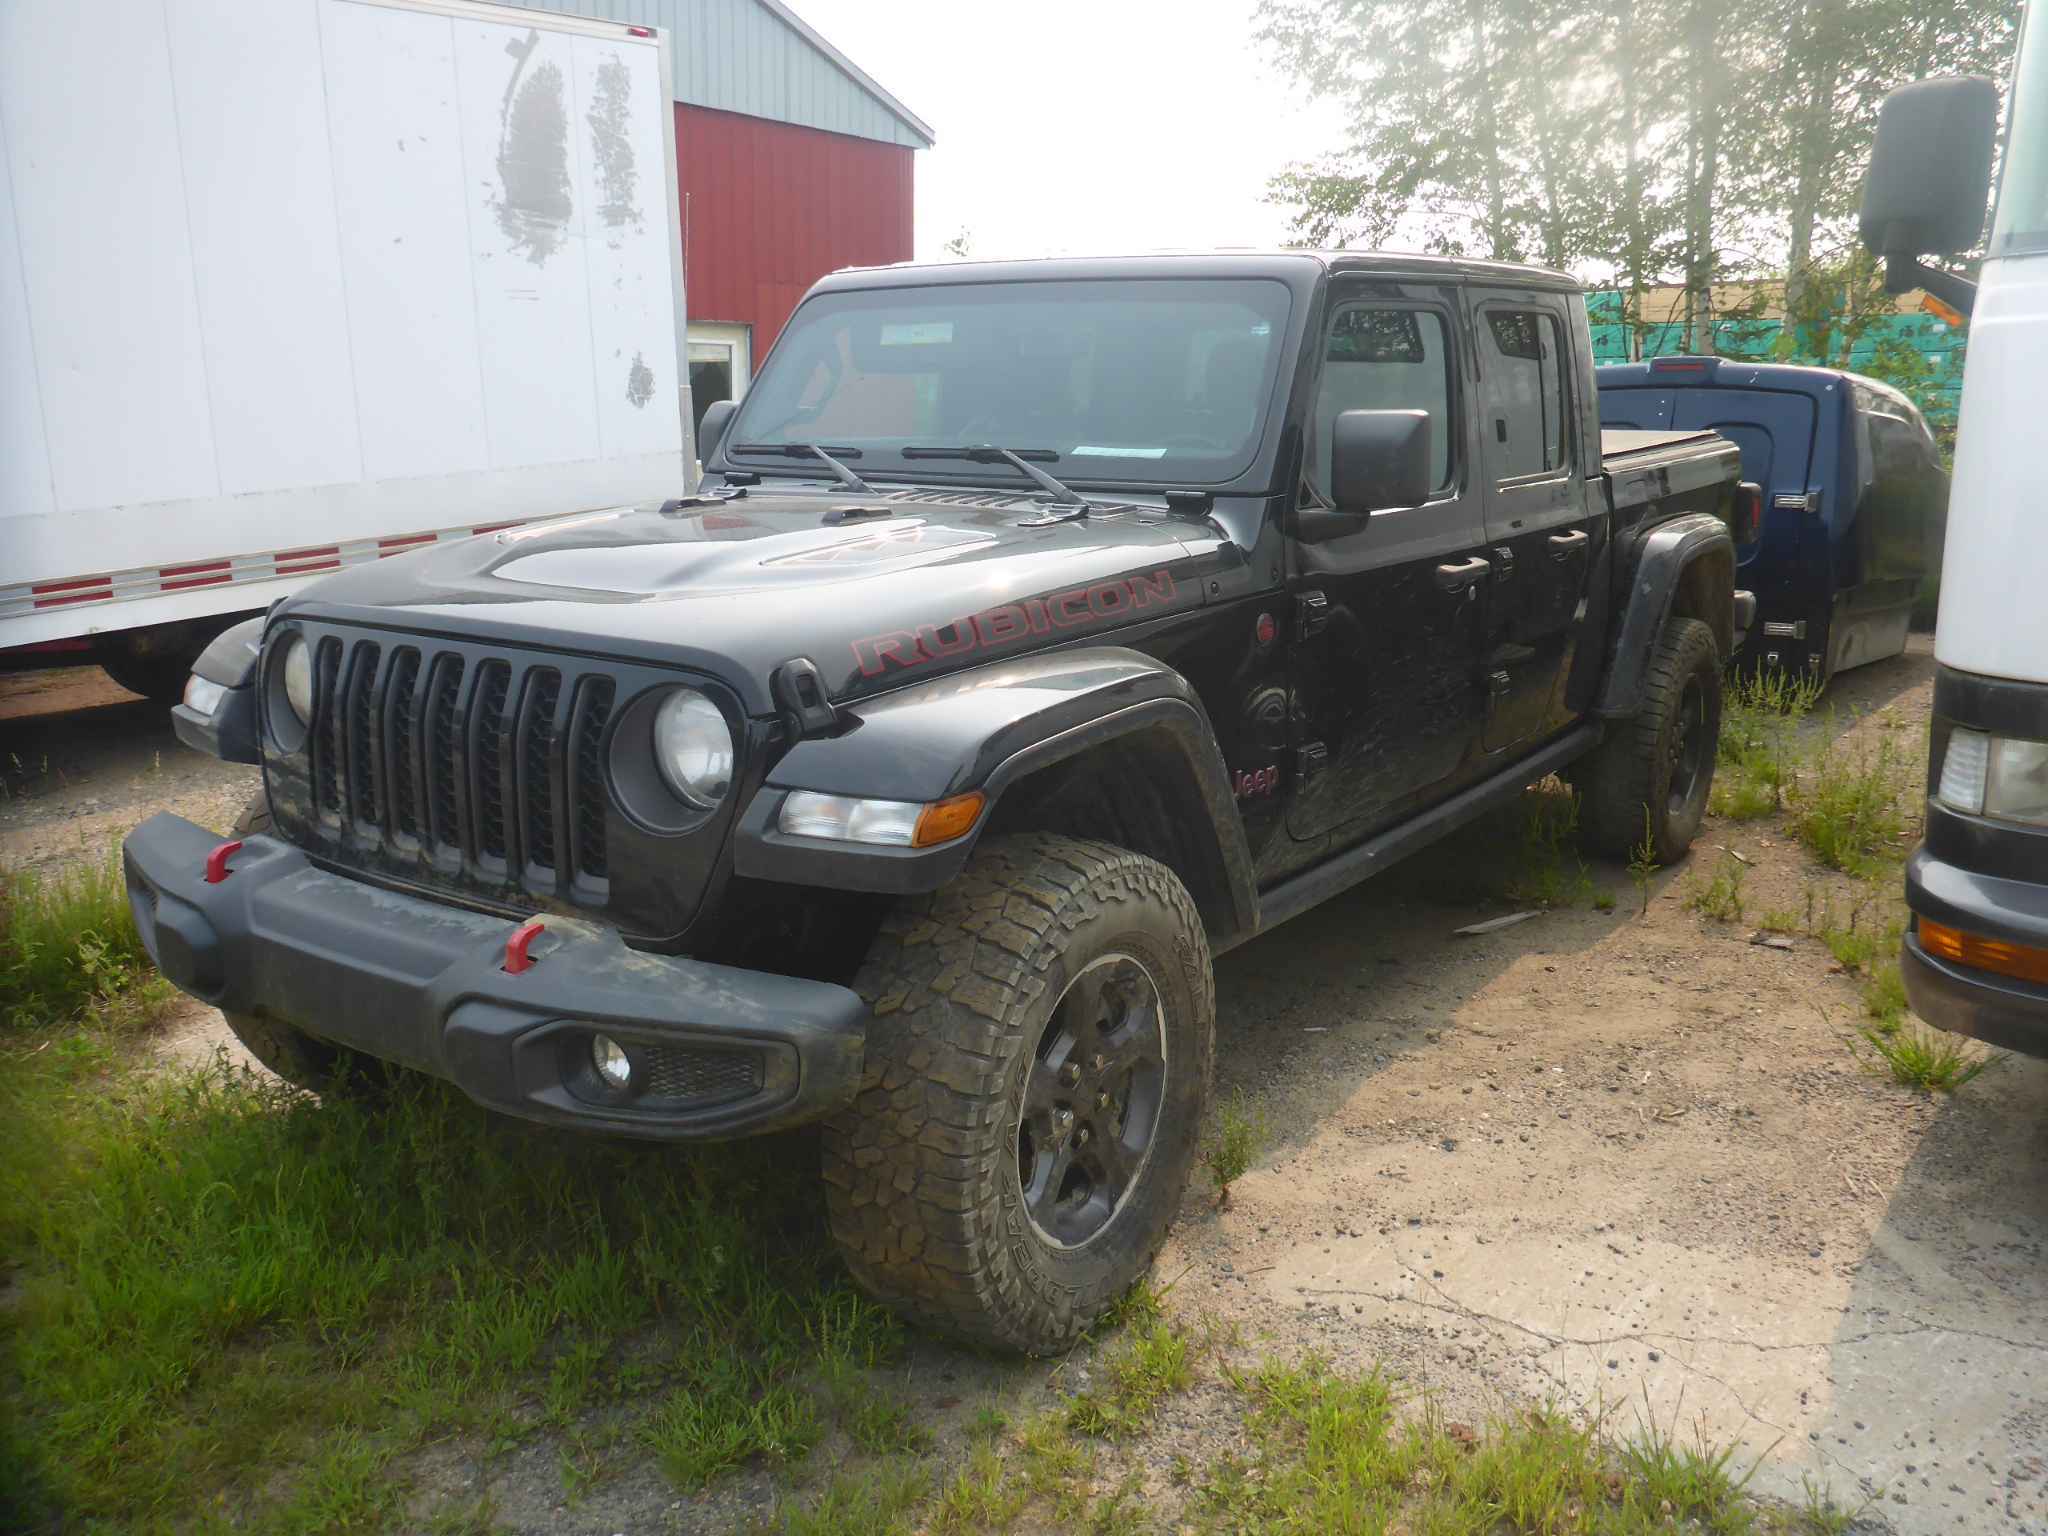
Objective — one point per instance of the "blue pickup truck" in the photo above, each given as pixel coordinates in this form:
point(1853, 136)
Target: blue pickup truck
point(1855, 497)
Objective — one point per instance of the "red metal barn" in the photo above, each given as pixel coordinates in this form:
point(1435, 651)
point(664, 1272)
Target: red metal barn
point(791, 162)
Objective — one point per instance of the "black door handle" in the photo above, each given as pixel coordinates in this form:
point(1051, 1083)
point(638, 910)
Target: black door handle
point(1564, 545)
point(1455, 578)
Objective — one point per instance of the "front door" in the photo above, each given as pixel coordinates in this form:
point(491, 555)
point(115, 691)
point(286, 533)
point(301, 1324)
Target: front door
point(1388, 702)
point(1538, 520)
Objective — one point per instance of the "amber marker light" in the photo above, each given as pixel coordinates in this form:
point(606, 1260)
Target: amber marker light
point(944, 820)
point(2021, 961)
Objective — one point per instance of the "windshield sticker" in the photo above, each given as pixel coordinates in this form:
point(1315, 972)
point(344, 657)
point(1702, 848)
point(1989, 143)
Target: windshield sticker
point(923, 333)
point(1079, 607)
point(1096, 451)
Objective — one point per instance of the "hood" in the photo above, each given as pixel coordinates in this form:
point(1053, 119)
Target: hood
point(876, 591)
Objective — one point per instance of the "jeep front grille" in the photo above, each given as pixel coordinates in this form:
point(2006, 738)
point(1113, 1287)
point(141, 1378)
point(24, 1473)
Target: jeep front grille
point(492, 765)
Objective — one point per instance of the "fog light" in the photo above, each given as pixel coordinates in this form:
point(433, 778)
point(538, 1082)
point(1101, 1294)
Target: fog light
point(609, 1057)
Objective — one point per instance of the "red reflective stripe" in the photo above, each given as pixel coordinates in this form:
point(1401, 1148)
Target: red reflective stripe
point(197, 581)
point(194, 570)
point(495, 527)
point(67, 586)
point(305, 554)
point(76, 597)
point(317, 565)
point(404, 539)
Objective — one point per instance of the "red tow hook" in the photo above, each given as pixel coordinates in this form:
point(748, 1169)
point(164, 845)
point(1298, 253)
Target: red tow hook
point(217, 861)
point(516, 946)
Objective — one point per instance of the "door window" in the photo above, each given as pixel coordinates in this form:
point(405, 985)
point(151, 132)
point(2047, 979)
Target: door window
point(1522, 392)
point(1382, 358)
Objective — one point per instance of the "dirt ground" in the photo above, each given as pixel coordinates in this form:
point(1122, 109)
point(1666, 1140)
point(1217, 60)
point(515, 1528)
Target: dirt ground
point(1610, 1160)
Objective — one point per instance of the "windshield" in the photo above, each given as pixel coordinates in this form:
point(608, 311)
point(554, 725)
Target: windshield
point(2022, 225)
point(1164, 381)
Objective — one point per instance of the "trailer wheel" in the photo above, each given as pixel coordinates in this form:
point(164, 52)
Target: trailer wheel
point(1650, 777)
point(301, 1059)
point(1037, 1065)
point(159, 679)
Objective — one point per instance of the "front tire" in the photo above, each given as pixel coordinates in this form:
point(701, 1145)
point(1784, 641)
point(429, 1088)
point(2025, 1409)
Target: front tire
point(1651, 776)
point(1037, 1065)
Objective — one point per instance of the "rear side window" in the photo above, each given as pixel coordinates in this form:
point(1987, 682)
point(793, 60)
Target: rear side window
point(1522, 392)
point(1378, 357)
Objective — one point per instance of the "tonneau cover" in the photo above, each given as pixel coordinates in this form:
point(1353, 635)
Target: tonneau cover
point(1616, 443)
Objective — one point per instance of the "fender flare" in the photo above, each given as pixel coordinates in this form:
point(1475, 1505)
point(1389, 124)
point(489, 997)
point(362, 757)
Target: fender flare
point(1665, 554)
point(984, 730)
point(229, 660)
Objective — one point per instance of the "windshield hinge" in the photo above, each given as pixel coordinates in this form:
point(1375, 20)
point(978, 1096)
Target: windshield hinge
point(800, 694)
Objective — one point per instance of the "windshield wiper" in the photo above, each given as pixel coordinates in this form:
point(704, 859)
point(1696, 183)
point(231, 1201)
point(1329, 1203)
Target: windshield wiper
point(812, 451)
point(988, 453)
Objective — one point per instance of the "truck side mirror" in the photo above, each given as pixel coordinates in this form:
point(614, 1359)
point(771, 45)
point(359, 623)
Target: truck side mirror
point(1380, 459)
point(717, 417)
point(1930, 169)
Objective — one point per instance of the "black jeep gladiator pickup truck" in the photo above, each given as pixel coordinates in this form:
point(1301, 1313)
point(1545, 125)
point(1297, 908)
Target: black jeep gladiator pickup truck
point(1040, 631)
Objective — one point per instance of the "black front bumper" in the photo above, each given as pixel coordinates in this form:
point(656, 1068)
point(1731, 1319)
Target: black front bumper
point(1999, 1010)
point(718, 1052)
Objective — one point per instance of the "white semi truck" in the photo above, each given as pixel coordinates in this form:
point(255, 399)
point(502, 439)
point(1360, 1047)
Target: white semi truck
point(1976, 953)
point(290, 285)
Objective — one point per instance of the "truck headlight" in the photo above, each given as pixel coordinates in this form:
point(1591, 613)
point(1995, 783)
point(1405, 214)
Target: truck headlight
point(885, 823)
point(298, 678)
point(2003, 776)
point(693, 748)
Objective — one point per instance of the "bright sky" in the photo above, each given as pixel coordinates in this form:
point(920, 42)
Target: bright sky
point(1072, 127)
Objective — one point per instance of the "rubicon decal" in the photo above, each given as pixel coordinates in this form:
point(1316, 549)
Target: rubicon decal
point(1077, 608)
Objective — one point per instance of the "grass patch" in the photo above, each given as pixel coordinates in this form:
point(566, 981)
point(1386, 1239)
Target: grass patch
point(1549, 871)
point(1720, 896)
point(67, 942)
point(1758, 750)
point(236, 1303)
point(1846, 811)
point(1239, 1137)
point(1927, 1059)
point(1151, 1362)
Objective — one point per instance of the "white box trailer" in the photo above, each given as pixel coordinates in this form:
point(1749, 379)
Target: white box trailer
point(287, 285)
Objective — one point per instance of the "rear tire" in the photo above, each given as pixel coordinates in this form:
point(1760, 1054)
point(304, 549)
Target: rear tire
point(1037, 1065)
point(1651, 776)
point(304, 1060)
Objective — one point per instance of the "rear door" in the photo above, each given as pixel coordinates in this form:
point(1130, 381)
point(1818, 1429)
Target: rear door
point(1538, 515)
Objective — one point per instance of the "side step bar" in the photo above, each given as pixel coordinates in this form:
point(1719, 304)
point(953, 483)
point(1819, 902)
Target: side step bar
point(1293, 897)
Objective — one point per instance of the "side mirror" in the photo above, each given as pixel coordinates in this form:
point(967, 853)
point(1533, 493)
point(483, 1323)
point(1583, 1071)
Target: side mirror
point(711, 430)
point(1930, 169)
point(1380, 459)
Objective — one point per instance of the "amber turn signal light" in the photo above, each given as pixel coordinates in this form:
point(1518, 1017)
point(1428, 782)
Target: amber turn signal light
point(944, 820)
point(2022, 961)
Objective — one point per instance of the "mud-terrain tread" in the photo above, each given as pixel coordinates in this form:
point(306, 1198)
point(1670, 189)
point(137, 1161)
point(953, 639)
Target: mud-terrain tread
point(1629, 770)
point(913, 1168)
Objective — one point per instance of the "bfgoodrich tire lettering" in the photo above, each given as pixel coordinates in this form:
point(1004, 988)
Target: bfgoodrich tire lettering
point(922, 1171)
point(1654, 771)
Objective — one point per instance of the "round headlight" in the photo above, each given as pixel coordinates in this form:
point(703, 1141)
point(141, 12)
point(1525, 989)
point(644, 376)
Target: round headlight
point(298, 677)
point(693, 748)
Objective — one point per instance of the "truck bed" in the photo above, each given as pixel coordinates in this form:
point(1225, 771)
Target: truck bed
point(1643, 467)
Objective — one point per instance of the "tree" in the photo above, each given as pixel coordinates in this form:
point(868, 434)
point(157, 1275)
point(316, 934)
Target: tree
point(1654, 139)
